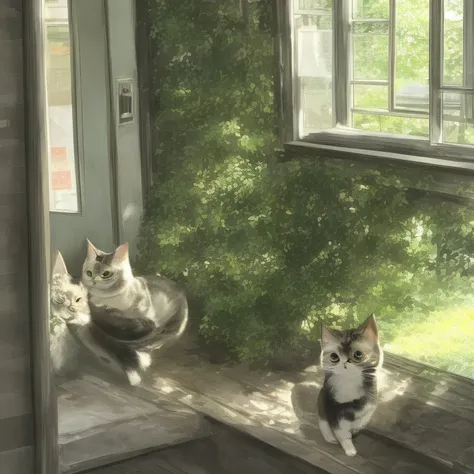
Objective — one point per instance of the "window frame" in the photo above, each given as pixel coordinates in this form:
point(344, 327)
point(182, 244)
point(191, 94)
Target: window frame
point(343, 140)
point(76, 107)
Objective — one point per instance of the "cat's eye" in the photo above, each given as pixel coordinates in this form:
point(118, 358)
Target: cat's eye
point(59, 300)
point(89, 273)
point(358, 356)
point(78, 299)
point(334, 358)
point(106, 274)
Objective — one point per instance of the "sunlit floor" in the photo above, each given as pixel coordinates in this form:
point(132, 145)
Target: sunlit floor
point(423, 423)
point(225, 452)
point(100, 423)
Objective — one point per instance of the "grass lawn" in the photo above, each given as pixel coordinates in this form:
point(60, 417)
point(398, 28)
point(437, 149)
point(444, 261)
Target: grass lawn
point(445, 340)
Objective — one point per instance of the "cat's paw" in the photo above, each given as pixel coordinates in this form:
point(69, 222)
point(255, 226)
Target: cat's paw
point(144, 359)
point(350, 451)
point(133, 377)
point(80, 319)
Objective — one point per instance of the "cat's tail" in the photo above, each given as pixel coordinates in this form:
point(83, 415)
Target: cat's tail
point(112, 352)
point(169, 334)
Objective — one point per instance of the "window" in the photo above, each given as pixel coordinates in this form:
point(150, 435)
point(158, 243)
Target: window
point(384, 68)
point(63, 187)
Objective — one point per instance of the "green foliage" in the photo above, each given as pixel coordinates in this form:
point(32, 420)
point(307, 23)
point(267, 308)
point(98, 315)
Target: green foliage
point(271, 249)
point(371, 60)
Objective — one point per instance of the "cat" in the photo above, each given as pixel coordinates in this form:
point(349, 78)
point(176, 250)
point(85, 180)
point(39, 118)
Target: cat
point(149, 312)
point(67, 302)
point(70, 309)
point(351, 361)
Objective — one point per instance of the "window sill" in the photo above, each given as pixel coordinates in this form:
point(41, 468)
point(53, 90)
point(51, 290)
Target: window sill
point(423, 423)
point(349, 144)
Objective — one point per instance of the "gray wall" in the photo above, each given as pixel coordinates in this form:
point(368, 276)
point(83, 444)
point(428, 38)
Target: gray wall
point(16, 418)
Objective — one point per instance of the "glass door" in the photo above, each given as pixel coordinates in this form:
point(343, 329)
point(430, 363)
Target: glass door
point(81, 191)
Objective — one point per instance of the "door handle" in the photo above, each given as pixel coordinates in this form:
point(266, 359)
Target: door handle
point(126, 101)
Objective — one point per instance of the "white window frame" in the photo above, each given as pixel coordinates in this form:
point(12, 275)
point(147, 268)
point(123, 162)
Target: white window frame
point(341, 138)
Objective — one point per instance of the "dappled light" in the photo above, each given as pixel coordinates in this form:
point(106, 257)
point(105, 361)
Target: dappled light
point(303, 293)
point(270, 249)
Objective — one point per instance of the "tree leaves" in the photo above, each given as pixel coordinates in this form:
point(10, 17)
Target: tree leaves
point(270, 248)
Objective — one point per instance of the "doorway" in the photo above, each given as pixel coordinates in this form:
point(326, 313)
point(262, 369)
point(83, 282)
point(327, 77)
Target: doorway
point(95, 192)
point(93, 127)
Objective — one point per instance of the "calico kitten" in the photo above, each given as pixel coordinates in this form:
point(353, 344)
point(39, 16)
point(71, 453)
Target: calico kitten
point(70, 309)
point(351, 360)
point(151, 311)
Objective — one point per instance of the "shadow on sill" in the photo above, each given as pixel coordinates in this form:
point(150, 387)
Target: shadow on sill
point(423, 424)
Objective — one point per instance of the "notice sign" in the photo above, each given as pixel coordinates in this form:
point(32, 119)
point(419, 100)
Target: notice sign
point(61, 178)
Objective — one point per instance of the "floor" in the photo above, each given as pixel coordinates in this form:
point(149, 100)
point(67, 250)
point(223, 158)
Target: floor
point(99, 422)
point(226, 452)
point(423, 424)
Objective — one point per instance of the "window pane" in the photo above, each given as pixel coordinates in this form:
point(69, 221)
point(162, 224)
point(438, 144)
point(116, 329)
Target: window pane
point(458, 123)
point(370, 97)
point(412, 55)
point(391, 124)
point(453, 42)
point(370, 42)
point(313, 53)
point(63, 180)
point(308, 5)
point(413, 97)
point(370, 8)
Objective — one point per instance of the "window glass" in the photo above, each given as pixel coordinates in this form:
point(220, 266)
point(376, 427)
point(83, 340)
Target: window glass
point(370, 46)
point(313, 64)
point(411, 81)
point(458, 123)
point(391, 47)
point(453, 56)
point(363, 9)
point(389, 63)
point(63, 177)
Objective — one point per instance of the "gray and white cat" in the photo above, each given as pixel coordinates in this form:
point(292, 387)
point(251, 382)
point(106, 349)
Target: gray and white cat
point(77, 330)
point(68, 303)
point(351, 361)
point(151, 311)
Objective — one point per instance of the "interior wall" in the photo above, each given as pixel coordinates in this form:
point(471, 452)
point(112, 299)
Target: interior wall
point(16, 417)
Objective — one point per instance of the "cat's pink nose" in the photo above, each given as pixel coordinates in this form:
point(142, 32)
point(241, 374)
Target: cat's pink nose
point(72, 309)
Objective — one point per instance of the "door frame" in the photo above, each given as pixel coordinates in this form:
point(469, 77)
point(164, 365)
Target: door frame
point(95, 145)
point(145, 97)
point(45, 408)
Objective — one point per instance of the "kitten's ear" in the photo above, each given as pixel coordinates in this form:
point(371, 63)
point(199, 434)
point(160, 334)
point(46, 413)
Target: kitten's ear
point(369, 329)
point(327, 337)
point(92, 252)
point(59, 266)
point(121, 253)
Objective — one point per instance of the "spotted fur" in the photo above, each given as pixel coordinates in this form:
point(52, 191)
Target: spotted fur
point(351, 361)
